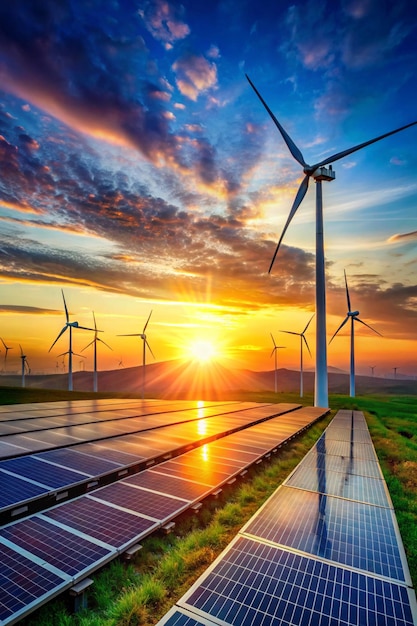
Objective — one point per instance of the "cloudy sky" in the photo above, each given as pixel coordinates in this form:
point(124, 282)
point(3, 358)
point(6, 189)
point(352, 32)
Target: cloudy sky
point(140, 172)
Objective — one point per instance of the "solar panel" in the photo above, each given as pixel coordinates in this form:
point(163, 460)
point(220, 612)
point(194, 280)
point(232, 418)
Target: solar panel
point(23, 583)
point(186, 489)
point(156, 506)
point(256, 583)
point(101, 521)
point(34, 468)
point(350, 533)
point(13, 487)
point(77, 460)
point(180, 617)
point(64, 550)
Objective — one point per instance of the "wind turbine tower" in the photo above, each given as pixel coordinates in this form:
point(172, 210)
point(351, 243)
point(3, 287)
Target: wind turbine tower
point(25, 365)
point(319, 172)
point(302, 338)
point(142, 335)
point(94, 342)
point(353, 316)
point(275, 353)
point(69, 326)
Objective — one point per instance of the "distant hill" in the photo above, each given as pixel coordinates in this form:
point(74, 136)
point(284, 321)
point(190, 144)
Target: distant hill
point(182, 380)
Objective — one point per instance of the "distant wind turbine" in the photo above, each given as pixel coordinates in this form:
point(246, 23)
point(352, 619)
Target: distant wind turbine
point(25, 365)
point(302, 339)
point(7, 348)
point(395, 371)
point(69, 325)
point(318, 172)
point(94, 342)
point(275, 353)
point(353, 316)
point(372, 367)
point(142, 335)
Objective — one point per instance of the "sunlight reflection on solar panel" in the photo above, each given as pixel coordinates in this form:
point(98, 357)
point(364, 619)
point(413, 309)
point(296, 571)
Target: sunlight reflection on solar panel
point(350, 533)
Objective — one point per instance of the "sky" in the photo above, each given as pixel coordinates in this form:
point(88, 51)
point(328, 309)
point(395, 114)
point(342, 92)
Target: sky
point(140, 172)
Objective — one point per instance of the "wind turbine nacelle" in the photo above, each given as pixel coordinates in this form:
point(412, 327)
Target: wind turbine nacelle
point(353, 313)
point(324, 173)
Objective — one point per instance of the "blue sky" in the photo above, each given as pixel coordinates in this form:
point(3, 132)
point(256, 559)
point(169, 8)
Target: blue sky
point(140, 172)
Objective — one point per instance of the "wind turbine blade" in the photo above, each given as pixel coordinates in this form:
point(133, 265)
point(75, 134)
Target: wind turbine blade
point(347, 293)
point(302, 190)
point(296, 153)
point(131, 335)
point(21, 351)
point(273, 350)
point(305, 341)
point(61, 333)
point(95, 325)
point(290, 332)
point(85, 328)
point(3, 342)
point(309, 322)
point(340, 155)
point(365, 324)
point(81, 355)
point(65, 306)
point(341, 326)
point(149, 348)
point(147, 322)
point(88, 345)
point(273, 340)
point(106, 344)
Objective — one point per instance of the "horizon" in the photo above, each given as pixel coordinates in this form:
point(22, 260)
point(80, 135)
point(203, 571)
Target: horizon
point(141, 173)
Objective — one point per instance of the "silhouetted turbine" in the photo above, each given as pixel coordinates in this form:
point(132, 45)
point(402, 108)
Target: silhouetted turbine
point(353, 316)
point(94, 342)
point(275, 352)
point(302, 338)
point(69, 325)
point(25, 365)
point(142, 335)
point(318, 172)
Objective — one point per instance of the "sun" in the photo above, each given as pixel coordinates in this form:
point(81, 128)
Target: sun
point(202, 350)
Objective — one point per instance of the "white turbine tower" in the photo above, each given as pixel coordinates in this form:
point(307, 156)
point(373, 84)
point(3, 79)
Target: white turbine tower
point(353, 316)
point(318, 172)
point(142, 335)
point(69, 325)
point(275, 353)
point(25, 365)
point(94, 342)
point(302, 339)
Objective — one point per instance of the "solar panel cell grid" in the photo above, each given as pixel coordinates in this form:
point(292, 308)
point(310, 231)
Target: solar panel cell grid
point(15, 489)
point(350, 533)
point(103, 522)
point(50, 475)
point(64, 550)
point(255, 583)
point(22, 582)
point(156, 506)
point(79, 461)
point(186, 489)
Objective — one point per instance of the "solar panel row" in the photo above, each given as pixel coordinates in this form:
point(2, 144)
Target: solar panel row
point(324, 549)
point(71, 540)
point(27, 478)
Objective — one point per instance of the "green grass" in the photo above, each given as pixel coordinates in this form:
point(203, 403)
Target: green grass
point(138, 595)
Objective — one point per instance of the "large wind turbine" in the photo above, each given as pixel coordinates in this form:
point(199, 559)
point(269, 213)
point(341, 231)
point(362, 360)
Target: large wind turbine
point(94, 342)
point(302, 339)
point(142, 335)
point(68, 325)
point(318, 172)
point(354, 317)
point(25, 365)
point(275, 352)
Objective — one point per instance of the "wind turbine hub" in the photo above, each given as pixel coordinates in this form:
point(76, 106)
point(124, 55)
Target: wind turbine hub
point(323, 173)
point(353, 313)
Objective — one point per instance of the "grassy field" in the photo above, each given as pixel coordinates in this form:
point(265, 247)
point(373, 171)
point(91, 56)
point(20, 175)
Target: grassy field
point(140, 593)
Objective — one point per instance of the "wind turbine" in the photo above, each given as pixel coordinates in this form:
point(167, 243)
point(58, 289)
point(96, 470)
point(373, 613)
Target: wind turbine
point(69, 325)
point(353, 316)
point(318, 172)
point(372, 367)
point(302, 338)
point(275, 352)
point(25, 365)
point(7, 348)
point(94, 342)
point(142, 335)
